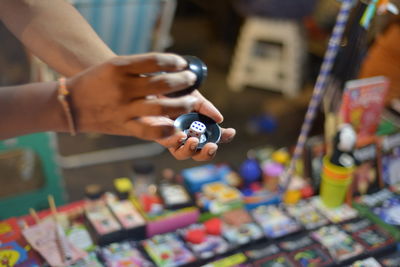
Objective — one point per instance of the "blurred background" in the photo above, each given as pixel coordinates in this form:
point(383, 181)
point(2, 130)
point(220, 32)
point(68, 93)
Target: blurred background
point(262, 58)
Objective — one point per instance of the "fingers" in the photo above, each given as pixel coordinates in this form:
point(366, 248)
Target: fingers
point(148, 128)
point(158, 84)
point(227, 135)
point(205, 107)
point(171, 107)
point(187, 150)
point(207, 153)
point(148, 63)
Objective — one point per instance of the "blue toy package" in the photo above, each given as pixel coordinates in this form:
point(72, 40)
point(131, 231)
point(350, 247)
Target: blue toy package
point(274, 222)
point(195, 178)
point(389, 211)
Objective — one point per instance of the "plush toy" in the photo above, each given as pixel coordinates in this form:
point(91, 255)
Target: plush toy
point(343, 146)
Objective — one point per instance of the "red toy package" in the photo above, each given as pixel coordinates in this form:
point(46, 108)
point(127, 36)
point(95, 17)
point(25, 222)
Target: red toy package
point(362, 104)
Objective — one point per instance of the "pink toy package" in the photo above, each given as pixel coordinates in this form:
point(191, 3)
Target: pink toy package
point(362, 104)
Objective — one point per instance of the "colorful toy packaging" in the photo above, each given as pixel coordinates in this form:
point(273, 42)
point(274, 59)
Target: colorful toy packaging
point(168, 250)
point(306, 213)
point(362, 104)
point(311, 256)
point(205, 240)
point(281, 260)
point(239, 228)
point(340, 245)
point(123, 254)
point(274, 222)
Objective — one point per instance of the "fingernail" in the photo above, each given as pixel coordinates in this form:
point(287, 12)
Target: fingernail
point(212, 151)
point(180, 141)
point(181, 63)
point(193, 147)
point(192, 77)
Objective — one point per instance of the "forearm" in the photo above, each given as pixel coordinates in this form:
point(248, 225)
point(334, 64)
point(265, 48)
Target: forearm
point(55, 32)
point(30, 108)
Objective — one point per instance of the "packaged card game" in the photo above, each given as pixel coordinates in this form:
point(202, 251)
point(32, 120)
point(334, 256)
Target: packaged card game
point(239, 228)
point(375, 240)
point(168, 250)
point(389, 211)
point(274, 222)
point(260, 251)
point(355, 226)
point(311, 256)
point(306, 213)
point(291, 244)
point(174, 196)
point(340, 245)
point(368, 262)
point(124, 254)
point(390, 260)
point(90, 260)
point(375, 199)
point(335, 215)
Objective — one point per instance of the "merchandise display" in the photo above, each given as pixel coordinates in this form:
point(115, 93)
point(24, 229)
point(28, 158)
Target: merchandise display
point(264, 236)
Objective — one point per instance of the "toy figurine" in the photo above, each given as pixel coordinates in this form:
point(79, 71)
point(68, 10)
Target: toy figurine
point(343, 146)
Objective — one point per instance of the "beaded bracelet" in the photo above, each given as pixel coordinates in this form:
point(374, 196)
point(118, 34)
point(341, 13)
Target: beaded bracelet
point(62, 98)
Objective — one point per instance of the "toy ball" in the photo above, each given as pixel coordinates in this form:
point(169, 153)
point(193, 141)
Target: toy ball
point(213, 226)
point(195, 236)
point(250, 171)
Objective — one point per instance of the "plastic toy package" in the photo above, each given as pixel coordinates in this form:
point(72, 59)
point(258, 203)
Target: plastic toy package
point(335, 215)
point(356, 225)
point(297, 242)
point(281, 260)
point(205, 242)
point(390, 260)
point(368, 262)
point(274, 222)
point(123, 254)
point(375, 240)
point(389, 211)
point(311, 256)
point(257, 252)
point(90, 260)
point(306, 213)
point(168, 250)
point(340, 245)
point(239, 228)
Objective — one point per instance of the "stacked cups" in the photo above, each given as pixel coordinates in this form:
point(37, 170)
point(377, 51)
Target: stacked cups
point(335, 183)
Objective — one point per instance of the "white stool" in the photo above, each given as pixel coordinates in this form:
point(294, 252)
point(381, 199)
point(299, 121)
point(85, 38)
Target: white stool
point(270, 54)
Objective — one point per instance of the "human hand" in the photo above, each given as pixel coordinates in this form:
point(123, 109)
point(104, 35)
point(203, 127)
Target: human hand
point(118, 96)
point(188, 149)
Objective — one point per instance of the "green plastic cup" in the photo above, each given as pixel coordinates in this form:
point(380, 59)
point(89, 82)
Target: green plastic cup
point(333, 191)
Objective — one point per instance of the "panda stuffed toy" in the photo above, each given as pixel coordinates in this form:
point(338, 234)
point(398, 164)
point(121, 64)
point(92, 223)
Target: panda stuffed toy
point(343, 147)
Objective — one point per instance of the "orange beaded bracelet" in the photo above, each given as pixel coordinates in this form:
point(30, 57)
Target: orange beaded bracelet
point(62, 98)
